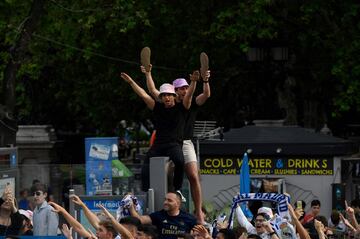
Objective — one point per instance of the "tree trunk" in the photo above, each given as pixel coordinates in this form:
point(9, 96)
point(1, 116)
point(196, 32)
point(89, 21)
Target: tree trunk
point(17, 52)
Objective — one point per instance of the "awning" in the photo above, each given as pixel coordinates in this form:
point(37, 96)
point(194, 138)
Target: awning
point(119, 170)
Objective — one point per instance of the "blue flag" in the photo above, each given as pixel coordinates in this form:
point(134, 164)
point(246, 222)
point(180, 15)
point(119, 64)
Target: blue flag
point(245, 183)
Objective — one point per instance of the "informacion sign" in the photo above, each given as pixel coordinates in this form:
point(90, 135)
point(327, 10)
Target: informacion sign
point(230, 165)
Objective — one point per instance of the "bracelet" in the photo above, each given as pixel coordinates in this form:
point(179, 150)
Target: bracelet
point(205, 81)
point(272, 233)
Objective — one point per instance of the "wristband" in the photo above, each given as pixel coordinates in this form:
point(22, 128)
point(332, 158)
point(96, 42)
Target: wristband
point(272, 233)
point(205, 81)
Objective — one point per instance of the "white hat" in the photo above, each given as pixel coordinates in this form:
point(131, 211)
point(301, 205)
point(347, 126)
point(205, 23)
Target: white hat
point(267, 211)
point(167, 89)
point(27, 213)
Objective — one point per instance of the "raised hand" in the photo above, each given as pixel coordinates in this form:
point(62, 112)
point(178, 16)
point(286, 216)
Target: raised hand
point(200, 231)
point(75, 199)
point(106, 212)
point(126, 77)
point(143, 69)
point(195, 76)
point(349, 210)
point(206, 76)
point(67, 231)
point(57, 207)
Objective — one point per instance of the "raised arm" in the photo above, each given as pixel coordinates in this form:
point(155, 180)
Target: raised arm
point(125, 233)
point(201, 99)
point(144, 219)
point(71, 220)
point(351, 214)
point(150, 102)
point(93, 219)
point(303, 233)
point(194, 78)
point(150, 82)
point(242, 220)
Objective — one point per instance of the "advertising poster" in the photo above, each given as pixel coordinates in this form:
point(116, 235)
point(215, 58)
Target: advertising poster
point(99, 152)
point(230, 165)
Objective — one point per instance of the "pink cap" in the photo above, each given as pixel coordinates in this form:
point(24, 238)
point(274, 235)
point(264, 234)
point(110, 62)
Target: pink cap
point(27, 213)
point(167, 89)
point(180, 82)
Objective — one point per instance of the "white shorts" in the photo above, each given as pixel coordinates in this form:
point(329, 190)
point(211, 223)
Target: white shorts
point(189, 151)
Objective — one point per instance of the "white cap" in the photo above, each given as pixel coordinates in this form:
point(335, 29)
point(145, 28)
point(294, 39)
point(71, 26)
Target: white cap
point(267, 211)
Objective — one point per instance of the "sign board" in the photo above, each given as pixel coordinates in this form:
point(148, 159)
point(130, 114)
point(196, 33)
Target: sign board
point(99, 152)
point(230, 165)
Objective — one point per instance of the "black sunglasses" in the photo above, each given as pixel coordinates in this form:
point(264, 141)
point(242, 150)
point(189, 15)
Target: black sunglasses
point(38, 193)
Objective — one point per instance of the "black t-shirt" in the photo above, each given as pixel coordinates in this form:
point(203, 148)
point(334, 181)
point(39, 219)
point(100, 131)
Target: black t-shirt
point(169, 123)
point(16, 223)
point(170, 226)
point(190, 118)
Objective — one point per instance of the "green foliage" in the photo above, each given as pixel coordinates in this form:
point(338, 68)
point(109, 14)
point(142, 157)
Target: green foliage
point(70, 77)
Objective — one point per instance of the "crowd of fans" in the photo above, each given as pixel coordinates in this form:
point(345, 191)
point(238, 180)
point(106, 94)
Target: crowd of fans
point(172, 221)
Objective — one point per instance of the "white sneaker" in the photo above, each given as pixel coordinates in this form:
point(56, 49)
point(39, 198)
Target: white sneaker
point(183, 199)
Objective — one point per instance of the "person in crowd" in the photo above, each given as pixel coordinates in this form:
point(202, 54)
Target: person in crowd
point(355, 204)
point(169, 120)
point(303, 233)
point(127, 232)
point(106, 230)
point(262, 226)
point(225, 234)
point(24, 202)
point(171, 221)
point(147, 231)
point(282, 227)
point(182, 88)
point(10, 218)
point(27, 226)
point(200, 232)
point(353, 226)
point(336, 225)
point(300, 209)
point(45, 220)
point(75, 225)
point(314, 211)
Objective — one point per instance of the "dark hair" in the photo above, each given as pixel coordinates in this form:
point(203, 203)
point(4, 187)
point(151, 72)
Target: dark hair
point(253, 236)
point(322, 219)
point(39, 187)
point(264, 215)
point(335, 217)
point(315, 203)
point(228, 233)
point(239, 230)
point(149, 230)
point(109, 227)
point(130, 220)
point(178, 195)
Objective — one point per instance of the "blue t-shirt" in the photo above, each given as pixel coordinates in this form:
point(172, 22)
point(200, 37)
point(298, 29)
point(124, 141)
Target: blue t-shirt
point(171, 226)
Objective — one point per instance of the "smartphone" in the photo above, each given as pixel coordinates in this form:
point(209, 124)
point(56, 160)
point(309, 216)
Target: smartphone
point(299, 204)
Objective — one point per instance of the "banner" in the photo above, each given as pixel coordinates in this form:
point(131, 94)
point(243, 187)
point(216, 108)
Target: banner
point(99, 153)
point(230, 165)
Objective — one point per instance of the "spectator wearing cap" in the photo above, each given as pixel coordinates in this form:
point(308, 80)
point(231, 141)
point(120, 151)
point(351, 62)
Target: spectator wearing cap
point(45, 220)
point(169, 121)
point(26, 229)
point(182, 88)
point(282, 227)
point(262, 227)
point(171, 221)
